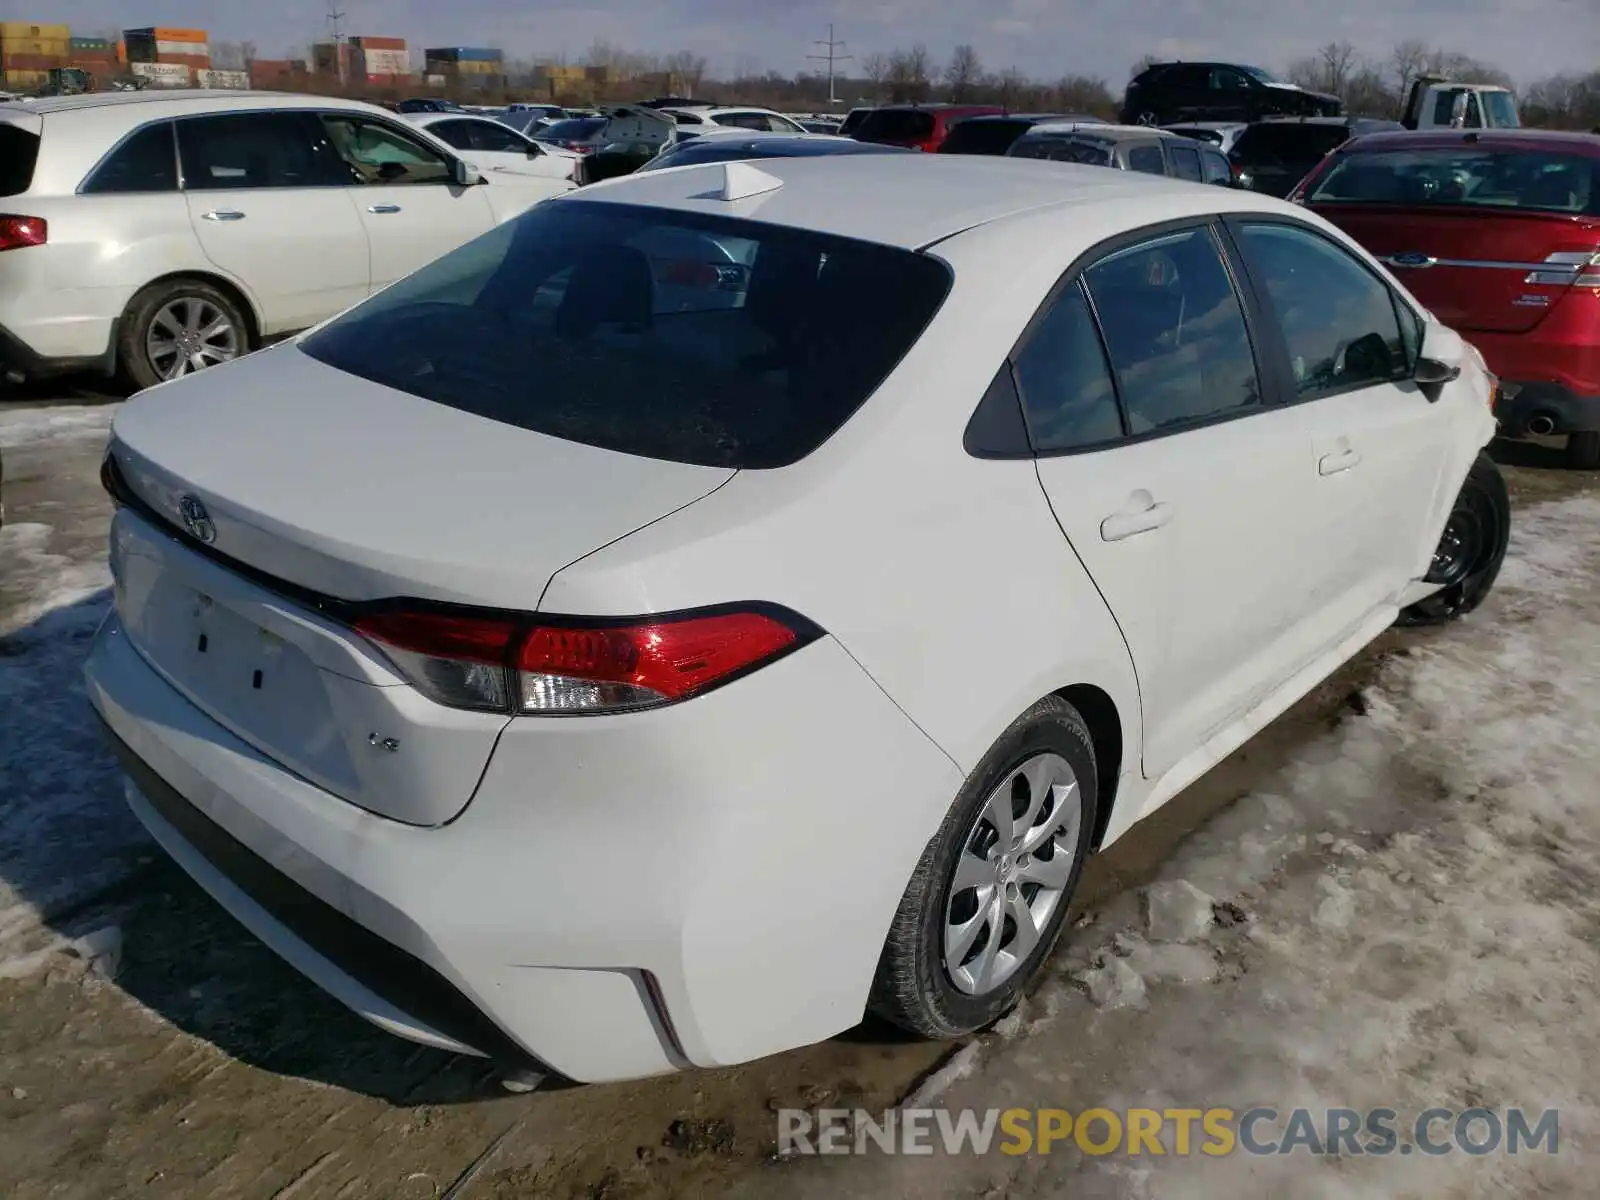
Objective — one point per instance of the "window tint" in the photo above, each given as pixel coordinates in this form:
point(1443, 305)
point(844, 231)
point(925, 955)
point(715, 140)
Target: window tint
point(1227, 79)
point(1465, 176)
point(1185, 161)
point(1147, 158)
point(492, 136)
point(19, 151)
point(453, 133)
point(1066, 385)
point(256, 150)
point(1215, 168)
point(146, 162)
point(1175, 331)
point(896, 125)
point(379, 153)
point(1059, 149)
point(665, 334)
point(985, 136)
point(1337, 317)
point(1187, 78)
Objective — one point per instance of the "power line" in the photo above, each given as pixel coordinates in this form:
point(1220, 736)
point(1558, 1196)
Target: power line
point(832, 57)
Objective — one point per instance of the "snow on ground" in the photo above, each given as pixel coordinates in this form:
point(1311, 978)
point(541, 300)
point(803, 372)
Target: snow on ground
point(1414, 923)
point(68, 835)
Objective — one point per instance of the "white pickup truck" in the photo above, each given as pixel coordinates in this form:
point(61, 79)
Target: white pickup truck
point(1436, 103)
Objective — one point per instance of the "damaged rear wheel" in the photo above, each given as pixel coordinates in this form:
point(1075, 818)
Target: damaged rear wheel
point(1471, 549)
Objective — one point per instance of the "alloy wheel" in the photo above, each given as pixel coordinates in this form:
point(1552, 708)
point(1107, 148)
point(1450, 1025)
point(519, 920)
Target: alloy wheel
point(188, 334)
point(1011, 874)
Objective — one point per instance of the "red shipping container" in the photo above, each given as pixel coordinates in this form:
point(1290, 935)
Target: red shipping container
point(30, 62)
point(379, 43)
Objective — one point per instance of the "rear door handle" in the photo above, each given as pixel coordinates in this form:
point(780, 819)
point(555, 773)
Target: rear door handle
point(1332, 464)
point(383, 208)
point(1142, 516)
point(224, 214)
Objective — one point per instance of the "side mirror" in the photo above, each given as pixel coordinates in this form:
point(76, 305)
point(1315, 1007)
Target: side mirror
point(1430, 372)
point(534, 151)
point(1439, 363)
point(465, 174)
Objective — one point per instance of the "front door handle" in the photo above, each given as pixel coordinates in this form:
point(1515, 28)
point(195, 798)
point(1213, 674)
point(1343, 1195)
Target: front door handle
point(224, 214)
point(1332, 464)
point(1142, 515)
point(383, 208)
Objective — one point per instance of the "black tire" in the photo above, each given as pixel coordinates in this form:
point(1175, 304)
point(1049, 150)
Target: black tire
point(1482, 516)
point(913, 987)
point(134, 365)
point(1583, 450)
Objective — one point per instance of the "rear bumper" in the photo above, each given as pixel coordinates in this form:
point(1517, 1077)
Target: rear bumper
point(1545, 408)
point(698, 885)
point(20, 362)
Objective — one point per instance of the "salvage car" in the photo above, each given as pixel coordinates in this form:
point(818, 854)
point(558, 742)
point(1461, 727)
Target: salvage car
point(734, 671)
point(1497, 232)
point(1166, 93)
point(152, 234)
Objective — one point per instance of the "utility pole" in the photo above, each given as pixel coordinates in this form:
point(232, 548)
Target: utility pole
point(335, 16)
point(832, 46)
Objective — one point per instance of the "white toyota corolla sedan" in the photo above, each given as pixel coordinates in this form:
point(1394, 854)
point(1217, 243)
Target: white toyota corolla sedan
point(728, 600)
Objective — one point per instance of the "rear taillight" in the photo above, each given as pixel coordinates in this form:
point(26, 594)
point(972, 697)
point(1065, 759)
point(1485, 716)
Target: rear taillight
point(553, 666)
point(17, 232)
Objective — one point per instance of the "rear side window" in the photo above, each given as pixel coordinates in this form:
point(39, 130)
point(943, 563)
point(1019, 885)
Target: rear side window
point(256, 150)
point(853, 121)
point(896, 125)
point(1066, 385)
point(669, 335)
point(1057, 149)
point(1214, 167)
point(19, 151)
point(578, 129)
point(146, 162)
point(1465, 176)
point(1175, 331)
point(983, 137)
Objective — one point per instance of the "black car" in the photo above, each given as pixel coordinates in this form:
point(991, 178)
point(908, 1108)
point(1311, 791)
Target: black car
point(778, 145)
point(994, 135)
point(1167, 93)
point(425, 104)
point(1272, 156)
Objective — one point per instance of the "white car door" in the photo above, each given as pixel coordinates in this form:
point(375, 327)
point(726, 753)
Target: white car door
point(265, 196)
point(1180, 487)
point(407, 197)
point(1378, 444)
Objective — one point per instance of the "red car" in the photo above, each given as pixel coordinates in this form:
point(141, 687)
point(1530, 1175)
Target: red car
point(918, 126)
point(1498, 233)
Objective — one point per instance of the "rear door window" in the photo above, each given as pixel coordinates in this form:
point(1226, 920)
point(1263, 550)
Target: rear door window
point(1214, 167)
point(378, 153)
point(1175, 331)
point(665, 334)
point(19, 151)
point(1147, 158)
point(1067, 392)
point(146, 162)
point(1185, 161)
point(256, 150)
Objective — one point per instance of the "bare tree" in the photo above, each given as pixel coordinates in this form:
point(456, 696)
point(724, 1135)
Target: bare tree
point(1337, 60)
point(1407, 60)
point(1013, 86)
point(687, 67)
point(908, 75)
point(875, 67)
point(962, 73)
point(247, 51)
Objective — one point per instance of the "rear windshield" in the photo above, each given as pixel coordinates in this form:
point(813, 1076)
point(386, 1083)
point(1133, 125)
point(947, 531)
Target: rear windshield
point(1462, 176)
point(1307, 144)
point(574, 130)
point(19, 150)
point(852, 121)
point(987, 136)
point(896, 125)
point(1064, 149)
point(670, 335)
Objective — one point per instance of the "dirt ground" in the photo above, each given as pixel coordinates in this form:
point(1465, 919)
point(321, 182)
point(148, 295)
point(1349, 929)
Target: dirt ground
point(193, 1063)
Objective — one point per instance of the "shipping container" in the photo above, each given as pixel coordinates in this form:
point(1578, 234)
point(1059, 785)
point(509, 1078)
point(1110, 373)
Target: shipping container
point(185, 49)
point(162, 33)
point(31, 62)
point(378, 43)
point(55, 47)
point(230, 80)
point(25, 79)
point(91, 43)
point(26, 29)
point(435, 81)
point(164, 74)
point(465, 54)
point(472, 66)
point(385, 62)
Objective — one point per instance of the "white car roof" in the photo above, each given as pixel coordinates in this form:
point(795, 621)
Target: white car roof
point(1098, 129)
point(913, 200)
point(174, 102)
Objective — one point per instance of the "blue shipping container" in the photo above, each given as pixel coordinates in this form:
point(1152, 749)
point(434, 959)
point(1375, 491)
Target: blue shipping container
point(464, 54)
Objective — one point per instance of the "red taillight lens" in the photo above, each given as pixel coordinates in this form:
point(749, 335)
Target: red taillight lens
point(17, 232)
point(525, 665)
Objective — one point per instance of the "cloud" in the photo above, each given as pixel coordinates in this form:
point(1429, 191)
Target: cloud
point(1528, 38)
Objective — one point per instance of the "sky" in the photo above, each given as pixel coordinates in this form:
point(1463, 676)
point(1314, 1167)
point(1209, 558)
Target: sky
point(1528, 38)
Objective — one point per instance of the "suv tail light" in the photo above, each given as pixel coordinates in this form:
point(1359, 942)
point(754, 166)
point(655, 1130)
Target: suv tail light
point(556, 666)
point(17, 232)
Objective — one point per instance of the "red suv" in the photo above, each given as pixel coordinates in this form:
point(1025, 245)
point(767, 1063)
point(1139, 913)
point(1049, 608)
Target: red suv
point(919, 126)
point(1497, 232)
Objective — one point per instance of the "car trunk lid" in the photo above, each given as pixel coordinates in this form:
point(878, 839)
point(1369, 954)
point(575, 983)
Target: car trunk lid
point(268, 496)
point(1476, 269)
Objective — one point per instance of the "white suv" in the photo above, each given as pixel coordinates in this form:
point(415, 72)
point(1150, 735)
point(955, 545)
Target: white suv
point(151, 235)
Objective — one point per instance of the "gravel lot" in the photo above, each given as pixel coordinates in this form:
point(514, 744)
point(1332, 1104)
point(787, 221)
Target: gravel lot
point(1437, 940)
